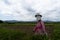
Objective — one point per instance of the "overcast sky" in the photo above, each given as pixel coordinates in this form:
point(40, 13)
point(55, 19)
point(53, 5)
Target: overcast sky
point(24, 10)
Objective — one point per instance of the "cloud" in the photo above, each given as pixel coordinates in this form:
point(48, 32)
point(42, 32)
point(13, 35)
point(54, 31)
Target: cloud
point(26, 9)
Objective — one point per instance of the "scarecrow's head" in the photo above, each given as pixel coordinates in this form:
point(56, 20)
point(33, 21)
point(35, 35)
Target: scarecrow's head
point(38, 14)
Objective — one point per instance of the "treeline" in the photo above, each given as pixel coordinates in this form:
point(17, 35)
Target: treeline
point(1, 21)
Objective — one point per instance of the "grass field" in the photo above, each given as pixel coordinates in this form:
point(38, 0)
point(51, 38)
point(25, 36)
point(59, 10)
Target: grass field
point(24, 31)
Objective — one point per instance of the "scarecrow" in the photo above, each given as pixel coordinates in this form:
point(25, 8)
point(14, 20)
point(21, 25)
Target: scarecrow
point(40, 27)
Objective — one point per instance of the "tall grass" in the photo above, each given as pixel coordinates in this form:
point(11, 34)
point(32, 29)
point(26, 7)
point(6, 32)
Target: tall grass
point(8, 34)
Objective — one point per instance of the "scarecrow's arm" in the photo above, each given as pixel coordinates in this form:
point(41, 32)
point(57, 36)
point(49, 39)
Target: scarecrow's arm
point(44, 29)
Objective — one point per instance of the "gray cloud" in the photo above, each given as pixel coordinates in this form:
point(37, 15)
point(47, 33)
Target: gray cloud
point(7, 2)
point(26, 9)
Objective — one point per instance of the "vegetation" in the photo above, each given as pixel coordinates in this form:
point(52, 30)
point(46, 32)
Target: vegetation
point(23, 31)
point(1, 21)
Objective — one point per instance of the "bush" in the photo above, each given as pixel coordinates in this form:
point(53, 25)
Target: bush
point(1, 21)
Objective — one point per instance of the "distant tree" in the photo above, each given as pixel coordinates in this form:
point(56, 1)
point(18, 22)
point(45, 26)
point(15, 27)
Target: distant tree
point(1, 21)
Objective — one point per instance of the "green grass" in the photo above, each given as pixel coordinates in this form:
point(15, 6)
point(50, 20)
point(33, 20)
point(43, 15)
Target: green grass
point(6, 34)
point(23, 31)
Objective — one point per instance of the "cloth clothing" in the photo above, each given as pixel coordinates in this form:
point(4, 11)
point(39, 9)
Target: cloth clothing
point(40, 27)
point(38, 18)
